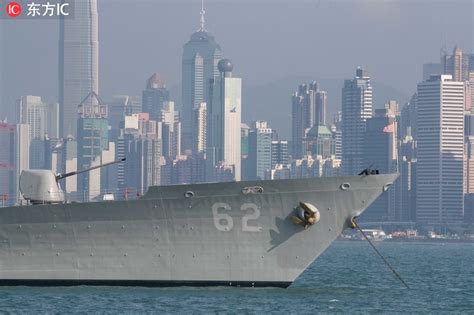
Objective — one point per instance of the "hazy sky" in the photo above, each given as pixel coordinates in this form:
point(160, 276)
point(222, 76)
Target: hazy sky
point(266, 40)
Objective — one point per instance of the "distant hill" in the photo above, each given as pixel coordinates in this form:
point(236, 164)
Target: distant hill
point(272, 101)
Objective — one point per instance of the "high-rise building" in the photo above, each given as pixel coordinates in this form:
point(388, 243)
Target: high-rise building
point(440, 150)
point(92, 140)
point(469, 153)
point(140, 142)
point(457, 65)
point(356, 109)
point(337, 135)
point(304, 114)
point(171, 131)
point(470, 97)
point(154, 95)
point(224, 119)
point(407, 126)
point(143, 165)
point(469, 165)
point(381, 151)
point(78, 62)
point(200, 116)
point(260, 150)
point(35, 113)
point(201, 55)
point(244, 138)
point(121, 106)
point(321, 107)
point(279, 152)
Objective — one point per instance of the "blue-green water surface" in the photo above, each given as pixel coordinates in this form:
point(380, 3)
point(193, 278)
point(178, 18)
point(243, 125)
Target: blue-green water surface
point(347, 278)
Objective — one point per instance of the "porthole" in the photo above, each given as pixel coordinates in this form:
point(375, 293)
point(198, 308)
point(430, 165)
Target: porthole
point(189, 194)
point(345, 186)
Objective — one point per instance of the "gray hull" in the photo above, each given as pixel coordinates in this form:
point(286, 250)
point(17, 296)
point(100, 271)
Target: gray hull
point(206, 234)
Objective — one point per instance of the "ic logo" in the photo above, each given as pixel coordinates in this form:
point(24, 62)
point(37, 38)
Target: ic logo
point(13, 9)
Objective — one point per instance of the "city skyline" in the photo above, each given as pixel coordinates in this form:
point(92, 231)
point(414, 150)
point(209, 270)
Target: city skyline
point(116, 63)
point(202, 137)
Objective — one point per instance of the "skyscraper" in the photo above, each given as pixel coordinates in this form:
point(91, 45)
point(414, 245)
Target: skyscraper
point(381, 151)
point(279, 152)
point(121, 106)
point(200, 57)
point(356, 109)
point(440, 150)
point(321, 107)
point(200, 116)
point(141, 145)
point(34, 112)
point(457, 65)
point(308, 109)
point(78, 62)
point(154, 95)
point(92, 140)
point(171, 131)
point(224, 119)
point(260, 150)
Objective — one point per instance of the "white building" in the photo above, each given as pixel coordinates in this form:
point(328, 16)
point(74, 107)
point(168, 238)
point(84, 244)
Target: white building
point(440, 150)
point(35, 113)
point(171, 130)
point(224, 119)
point(200, 115)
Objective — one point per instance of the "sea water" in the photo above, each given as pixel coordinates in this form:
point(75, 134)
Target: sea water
point(347, 278)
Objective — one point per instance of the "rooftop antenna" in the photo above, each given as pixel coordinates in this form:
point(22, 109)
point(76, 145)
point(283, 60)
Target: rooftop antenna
point(202, 21)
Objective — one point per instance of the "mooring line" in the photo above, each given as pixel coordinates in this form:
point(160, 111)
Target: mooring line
point(354, 224)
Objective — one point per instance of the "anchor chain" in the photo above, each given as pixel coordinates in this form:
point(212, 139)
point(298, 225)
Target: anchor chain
point(355, 225)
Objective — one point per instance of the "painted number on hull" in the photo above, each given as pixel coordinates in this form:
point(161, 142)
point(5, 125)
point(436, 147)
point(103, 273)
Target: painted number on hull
point(224, 222)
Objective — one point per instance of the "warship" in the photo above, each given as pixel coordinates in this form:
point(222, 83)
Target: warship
point(249, 233)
